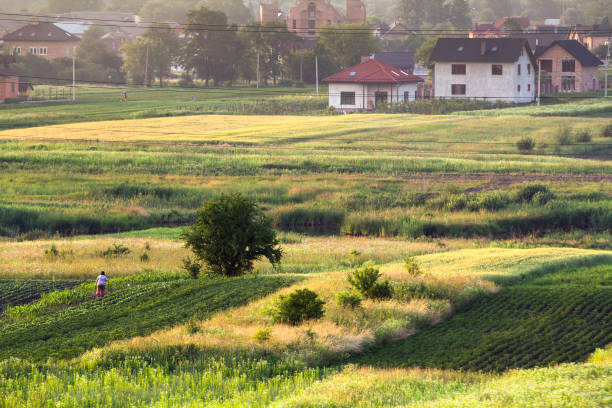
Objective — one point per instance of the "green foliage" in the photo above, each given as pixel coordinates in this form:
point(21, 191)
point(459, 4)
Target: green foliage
point(20, 292)
point(346, 44)
point(144, 257)
point(298, 306)
point(263, 335)
point(607, 131)
point(423, 54)
point(192, 326)
point(348, 299)
point(526, 193)
point(192, 268)
point(365, 281)
point(230, 233)
point(117, 250)
point(440, 106)
point(412, 266)
point(526, 144)
point(584, 135)
point(563, 136)
point(559, 317)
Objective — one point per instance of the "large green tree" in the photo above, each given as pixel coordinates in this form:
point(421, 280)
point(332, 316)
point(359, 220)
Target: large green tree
point(64, 6)
point(230, 233)
point(235, 10)
point(92, 49)
point(346, 43)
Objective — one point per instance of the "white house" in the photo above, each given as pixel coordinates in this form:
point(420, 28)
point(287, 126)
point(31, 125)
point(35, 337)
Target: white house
point(369, 84)
point(495, 69)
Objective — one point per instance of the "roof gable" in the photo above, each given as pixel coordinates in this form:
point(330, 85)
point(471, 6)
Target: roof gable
point(480, 50)
point(577, 50)
point(373, 71)
point(42, 31)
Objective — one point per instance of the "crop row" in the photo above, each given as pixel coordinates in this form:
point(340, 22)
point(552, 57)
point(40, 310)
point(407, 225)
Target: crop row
point(19, 292)
point(521, 327)
point(134, 310)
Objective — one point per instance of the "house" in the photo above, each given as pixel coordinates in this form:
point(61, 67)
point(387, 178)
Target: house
point(591, 36)
point(370, 84)
point(495, 69)
point(543, 36)
point(306, 17)
point(41, 38)
point(497, 29)
point(9, 78)
point(568, 66)
point(397, 32)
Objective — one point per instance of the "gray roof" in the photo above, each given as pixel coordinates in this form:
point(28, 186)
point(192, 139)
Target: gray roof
point(42, 31)
point(579, 51)
point(403, 60)
point(480, 50)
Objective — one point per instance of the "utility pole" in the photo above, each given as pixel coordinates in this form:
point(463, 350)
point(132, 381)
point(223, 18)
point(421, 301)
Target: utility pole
point(317, 72)
point(146, 82)
point(539, 80)
point(302, 67)
point(257, 70)
point(73, 76)
point(607, 67)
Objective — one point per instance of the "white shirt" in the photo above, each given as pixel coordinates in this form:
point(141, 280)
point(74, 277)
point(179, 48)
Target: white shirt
point(102, 280)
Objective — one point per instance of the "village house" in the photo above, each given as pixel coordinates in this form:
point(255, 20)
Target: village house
point(497, 29)
point(591, 36)
point(307, 16)
point(494, 69)
point(9, 78)
point(40, 38)
point(401, 59)
point(568, 66)
point(368, 85)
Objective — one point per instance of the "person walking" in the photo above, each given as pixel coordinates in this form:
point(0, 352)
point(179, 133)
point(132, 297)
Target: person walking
point(101, 284)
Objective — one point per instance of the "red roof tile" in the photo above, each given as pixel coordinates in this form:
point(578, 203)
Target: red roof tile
point(373, 71)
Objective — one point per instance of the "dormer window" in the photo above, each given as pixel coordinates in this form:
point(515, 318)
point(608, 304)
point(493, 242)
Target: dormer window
point(460, 49)
point(352, 73)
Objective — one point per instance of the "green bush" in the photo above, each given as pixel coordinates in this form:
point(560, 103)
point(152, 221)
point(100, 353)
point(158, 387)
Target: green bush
point(365, 281)
point(607, 131)
point(263, 335)
point(192, 268)
point(348, 299)
point(527, 192)
point(412, 266)
point(192, 326)
point(563, 136)
point(116, 251)
point(526, 144)
point(144, 257)
point(300, 305)
point(491, 201)
point(542, 197)
point(584, 136)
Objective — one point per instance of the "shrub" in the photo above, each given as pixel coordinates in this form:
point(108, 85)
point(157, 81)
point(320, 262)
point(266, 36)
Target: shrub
point(192, 326)
point(116, 251)
point(543, 197)
point(563, 136)
point(526, 144)
point(52, 252)
point(607, 131)
point(527, 192)
point(263, 335)
point(230, 233)
point(584, 136)
point(192, 268)
point(492, 201)
point(365, 281)
point(348, 299)
point(300, 305)
point(144, 257)
point(412, 266)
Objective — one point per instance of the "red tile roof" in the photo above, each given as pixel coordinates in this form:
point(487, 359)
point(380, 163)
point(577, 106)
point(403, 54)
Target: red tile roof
point(373, 71)
point(522, 21)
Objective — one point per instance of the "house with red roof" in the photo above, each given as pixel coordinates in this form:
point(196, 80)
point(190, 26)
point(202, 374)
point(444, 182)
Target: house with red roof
point(9, 78)
point(368, 85)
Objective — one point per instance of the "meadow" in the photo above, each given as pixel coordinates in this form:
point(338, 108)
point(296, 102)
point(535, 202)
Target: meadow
point(511, 307)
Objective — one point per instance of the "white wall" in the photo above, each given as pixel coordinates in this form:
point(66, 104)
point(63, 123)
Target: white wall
point(365, 94)
point(480, 83)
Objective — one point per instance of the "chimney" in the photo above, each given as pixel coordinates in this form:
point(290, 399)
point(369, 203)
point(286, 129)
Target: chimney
point(483, 47)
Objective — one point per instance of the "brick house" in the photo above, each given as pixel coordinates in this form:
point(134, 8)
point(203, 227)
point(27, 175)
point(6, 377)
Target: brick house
point(568, 66)
point(9, 78)
point(44, 39)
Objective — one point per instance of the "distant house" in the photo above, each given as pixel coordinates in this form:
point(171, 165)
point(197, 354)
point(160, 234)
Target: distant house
point(9, 78)
point(497, 29)
point(568, 66)
point(44, 39)
point(368, 85)
point(397, 32)
point(591, 36)
point(495, 69)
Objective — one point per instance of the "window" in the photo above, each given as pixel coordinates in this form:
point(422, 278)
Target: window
point(42, 51)
point(497, 69)
point(518, 89)
point(528, 87)
point(458, 69)
point(33, 50)
point(546, 65)
point(519, 69)
point(311, 27)
point(380, 97)
point(568, 83)
point(312, 11)
point(347, 98)
point(528, 69)
point(294, 24)
point(458, 89)
point(568, 65)
point(17, 51)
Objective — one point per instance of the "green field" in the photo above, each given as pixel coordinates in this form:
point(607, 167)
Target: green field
point(512, 308)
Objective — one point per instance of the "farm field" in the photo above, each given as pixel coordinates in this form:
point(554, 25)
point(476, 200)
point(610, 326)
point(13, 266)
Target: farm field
point(511, 306)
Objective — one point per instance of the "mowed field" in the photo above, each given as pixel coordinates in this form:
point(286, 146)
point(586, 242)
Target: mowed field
point(512, 308)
